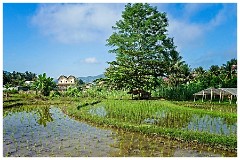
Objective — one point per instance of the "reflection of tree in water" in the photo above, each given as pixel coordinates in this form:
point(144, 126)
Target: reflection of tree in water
point(45, 116)
point(12, 110)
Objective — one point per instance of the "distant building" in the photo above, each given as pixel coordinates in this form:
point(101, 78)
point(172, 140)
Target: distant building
point(88, 85)
point(29, 82)
point(64, 82)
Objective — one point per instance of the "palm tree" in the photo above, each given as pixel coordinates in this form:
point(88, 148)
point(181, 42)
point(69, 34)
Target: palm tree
point(228, 69)
point(199, 71)
point(214, 76)
point(214, 70)
point(229, 73)
point(176, 68)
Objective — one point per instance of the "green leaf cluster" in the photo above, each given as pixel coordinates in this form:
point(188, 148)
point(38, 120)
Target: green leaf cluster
point(44, 84)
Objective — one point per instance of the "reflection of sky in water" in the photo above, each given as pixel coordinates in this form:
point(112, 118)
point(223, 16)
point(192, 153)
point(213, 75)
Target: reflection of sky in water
point(202, 123)
point(22, 127)
point(161, 114)
point(99, 111)
point(63, 136)
point(210, 124)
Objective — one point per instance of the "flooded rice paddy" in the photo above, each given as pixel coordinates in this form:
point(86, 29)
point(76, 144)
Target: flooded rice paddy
point(185, 121)
point(194, 122)
point(33, 131)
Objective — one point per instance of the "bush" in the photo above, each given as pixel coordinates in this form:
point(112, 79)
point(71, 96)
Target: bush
point(12, 91)
point(181, 92)
point(55, 94)
point(73, 92)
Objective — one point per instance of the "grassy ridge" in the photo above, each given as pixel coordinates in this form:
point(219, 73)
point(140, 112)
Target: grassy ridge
point(211, 106)
point(29, 99)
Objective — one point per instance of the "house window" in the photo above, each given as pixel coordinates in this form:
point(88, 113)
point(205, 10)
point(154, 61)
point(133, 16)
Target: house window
point(66, 81)
point(61, 81)
point(71, 81)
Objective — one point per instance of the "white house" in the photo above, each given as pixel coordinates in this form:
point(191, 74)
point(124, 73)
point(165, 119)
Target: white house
point(64, 82)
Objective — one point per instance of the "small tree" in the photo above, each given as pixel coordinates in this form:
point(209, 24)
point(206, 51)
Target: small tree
point(44, 84)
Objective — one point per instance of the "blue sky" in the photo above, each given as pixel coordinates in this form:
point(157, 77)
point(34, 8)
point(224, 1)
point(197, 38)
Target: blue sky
point(69, 39)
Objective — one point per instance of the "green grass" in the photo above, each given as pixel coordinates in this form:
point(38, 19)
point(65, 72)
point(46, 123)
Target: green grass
point(15, 100)
point(129, 115)
point(212, 106)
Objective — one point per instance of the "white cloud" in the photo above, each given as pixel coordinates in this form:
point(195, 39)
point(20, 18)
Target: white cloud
point(90, 60)
point(220, 17)
point(76, 23)
point(187, 33)
point(191, 9)
point(184, 33)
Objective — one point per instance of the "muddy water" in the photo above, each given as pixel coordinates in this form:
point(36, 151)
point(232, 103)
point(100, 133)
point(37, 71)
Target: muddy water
point(47, 131)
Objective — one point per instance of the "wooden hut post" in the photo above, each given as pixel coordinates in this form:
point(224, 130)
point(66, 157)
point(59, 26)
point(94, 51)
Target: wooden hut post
point(194, 98)
point(203, 95)
point(220, 96)
point(211, 95)
point(231, 99)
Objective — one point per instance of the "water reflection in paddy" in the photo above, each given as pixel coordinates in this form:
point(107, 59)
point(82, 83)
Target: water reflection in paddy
point(47, 131)
point(206, 123)
point(186, 121)
point(194, 122)
point(99, 111)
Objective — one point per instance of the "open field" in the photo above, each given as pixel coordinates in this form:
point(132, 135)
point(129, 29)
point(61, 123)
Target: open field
point(174, 128)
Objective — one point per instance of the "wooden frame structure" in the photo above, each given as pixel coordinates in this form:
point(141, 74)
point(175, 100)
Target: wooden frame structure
point(221, 92)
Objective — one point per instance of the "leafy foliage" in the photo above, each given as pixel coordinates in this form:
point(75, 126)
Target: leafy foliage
point(143, 50)
point(17, 78)
point(44, 84)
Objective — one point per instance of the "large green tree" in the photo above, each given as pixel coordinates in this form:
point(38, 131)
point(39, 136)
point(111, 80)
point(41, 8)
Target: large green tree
point(143, 50)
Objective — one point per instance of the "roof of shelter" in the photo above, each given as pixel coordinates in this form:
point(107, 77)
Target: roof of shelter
point(232, 91)
point(225, 91)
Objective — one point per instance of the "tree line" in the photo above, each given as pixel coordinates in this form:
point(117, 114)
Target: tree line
point(18, 78)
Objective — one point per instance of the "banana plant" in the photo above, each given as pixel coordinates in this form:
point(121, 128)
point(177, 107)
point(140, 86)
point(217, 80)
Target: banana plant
point(44, 84)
